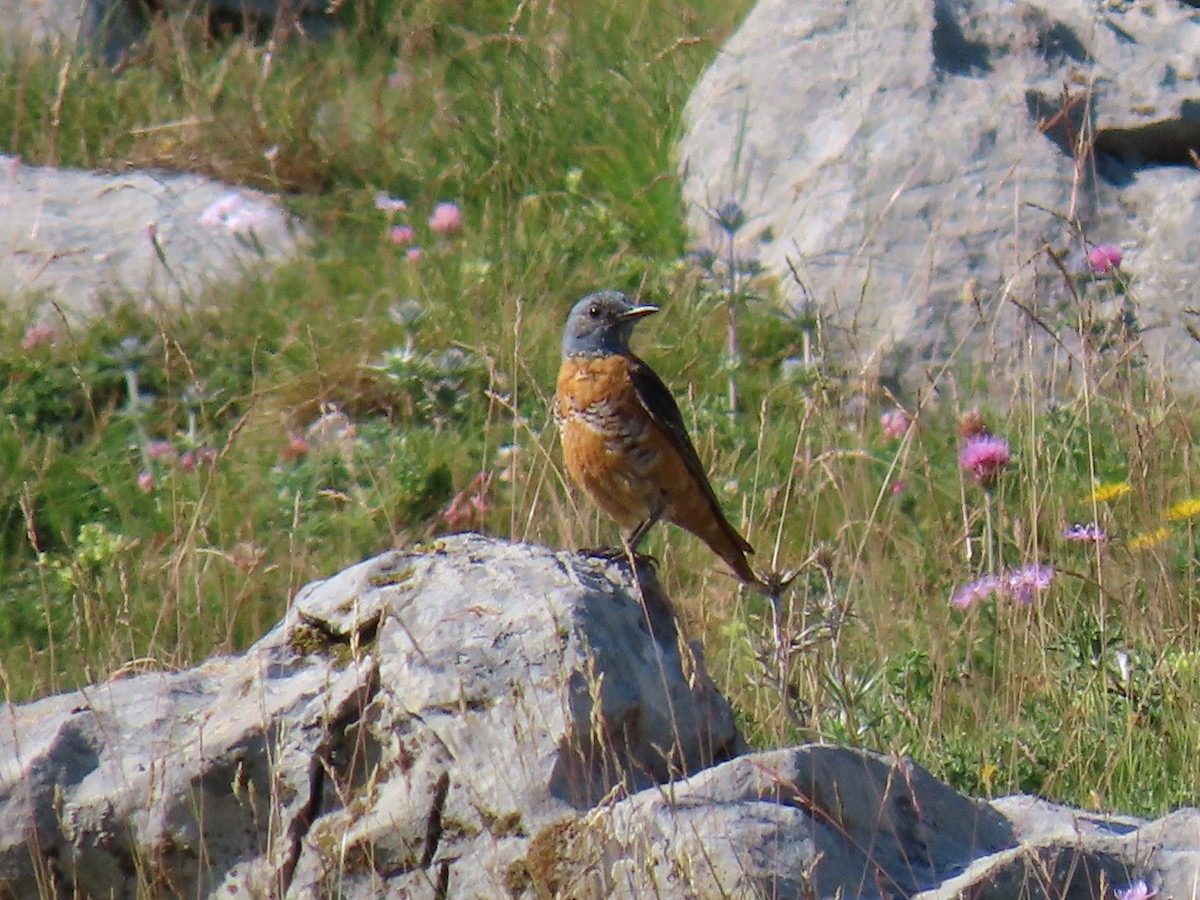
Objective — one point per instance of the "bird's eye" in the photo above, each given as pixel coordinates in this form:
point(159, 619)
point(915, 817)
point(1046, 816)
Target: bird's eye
point(594, 312)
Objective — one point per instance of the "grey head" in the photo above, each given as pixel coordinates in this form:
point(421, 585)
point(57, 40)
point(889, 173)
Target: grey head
point(601, 324)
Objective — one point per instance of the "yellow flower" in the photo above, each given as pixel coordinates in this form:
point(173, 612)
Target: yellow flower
point(1110, 491)
point(1184, 509)
point(1147, 539)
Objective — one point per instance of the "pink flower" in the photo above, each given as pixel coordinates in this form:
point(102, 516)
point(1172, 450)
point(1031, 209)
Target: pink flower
point(39, 334)
point(899, 486)
point(402, 234)
point(145, 482)
point(413, 254)
point(160, 450)
point(985, 457)
point(446, 219)
point(1139, 890)
point(894, 423)
point(1104, 258)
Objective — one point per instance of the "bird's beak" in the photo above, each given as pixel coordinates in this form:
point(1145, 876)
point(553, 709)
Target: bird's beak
point(638, 312)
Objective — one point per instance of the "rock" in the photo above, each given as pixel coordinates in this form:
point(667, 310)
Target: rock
point(412, 720)
point(84, 239)
point(910, 162)
point(485, 719)
point(112, 27)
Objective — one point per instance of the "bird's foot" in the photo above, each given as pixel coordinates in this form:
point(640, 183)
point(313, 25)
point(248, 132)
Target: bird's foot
point(619, 553)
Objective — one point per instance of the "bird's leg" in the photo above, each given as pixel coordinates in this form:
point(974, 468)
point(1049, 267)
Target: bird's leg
point(639, 534)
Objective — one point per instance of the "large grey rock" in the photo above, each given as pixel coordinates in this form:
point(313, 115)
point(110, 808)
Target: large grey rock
point(910, 160)
point(412, 721)
point(83, 239)
point(484, 719)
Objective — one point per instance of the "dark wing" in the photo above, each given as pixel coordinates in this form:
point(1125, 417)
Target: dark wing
point(656, 399)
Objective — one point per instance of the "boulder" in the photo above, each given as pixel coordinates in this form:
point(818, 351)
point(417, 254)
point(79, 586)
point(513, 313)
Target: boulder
point(904, 167)
point(410, 723)
point(476, 718)
point(81, 240)
point(110, 28)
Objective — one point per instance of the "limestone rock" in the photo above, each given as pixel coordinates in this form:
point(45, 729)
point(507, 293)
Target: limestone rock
point(82, 239)
point(410, 723)
point(910, 161)
point(476, 718)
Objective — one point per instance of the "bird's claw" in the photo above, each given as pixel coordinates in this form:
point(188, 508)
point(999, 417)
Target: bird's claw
point(615, 554)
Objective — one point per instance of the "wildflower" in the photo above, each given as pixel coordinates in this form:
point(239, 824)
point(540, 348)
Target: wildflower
point(39, 334)
point(972, 424)
point(1139, 890)
point(985, 457)
point(1104, 258)
point(446, 219)
point(1111, 490)
point(160, 450)
point(402, 234)
point(899, 487)
point(894, 423)
point(145, 482)
point(1022, 584)
point(470, 504)
point(1184, 509)
point(386, 203)
point(297, 448)
point(413, 255)
point(1146, 539)
point(1089, 533)
point(978, 590)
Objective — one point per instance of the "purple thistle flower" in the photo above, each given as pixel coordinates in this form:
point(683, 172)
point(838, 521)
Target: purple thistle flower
point(1021, 585)
point(1089, 533)
point(985, 457)
point(980, 589)
point(1025, 583)
point(1104, 258)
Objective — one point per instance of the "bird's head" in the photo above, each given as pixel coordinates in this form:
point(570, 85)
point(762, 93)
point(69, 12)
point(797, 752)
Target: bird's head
point(602, 323)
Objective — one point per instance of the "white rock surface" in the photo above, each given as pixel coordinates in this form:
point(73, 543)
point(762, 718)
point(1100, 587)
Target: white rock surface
point(905, 156)
point(83, 239)
point(485, 719)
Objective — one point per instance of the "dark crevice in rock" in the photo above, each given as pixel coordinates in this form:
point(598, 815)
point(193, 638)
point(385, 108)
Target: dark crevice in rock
point(433, 828)
point(1171, 142)
point(953, 52)
point(324, 763)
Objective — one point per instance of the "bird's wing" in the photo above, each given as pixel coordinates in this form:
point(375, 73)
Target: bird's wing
point(656, 399)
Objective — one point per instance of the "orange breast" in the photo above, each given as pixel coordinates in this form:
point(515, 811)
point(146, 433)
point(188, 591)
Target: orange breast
point(610, 446)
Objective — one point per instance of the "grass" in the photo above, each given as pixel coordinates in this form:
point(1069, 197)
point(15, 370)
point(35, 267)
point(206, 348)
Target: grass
point(552, 126)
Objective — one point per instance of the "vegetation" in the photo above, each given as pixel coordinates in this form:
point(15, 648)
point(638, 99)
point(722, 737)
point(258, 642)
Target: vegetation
point(169, 481)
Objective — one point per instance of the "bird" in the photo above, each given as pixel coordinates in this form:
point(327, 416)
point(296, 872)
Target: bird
point(624, 440)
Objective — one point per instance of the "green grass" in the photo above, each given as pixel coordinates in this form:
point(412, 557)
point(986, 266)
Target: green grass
point(553, 128)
